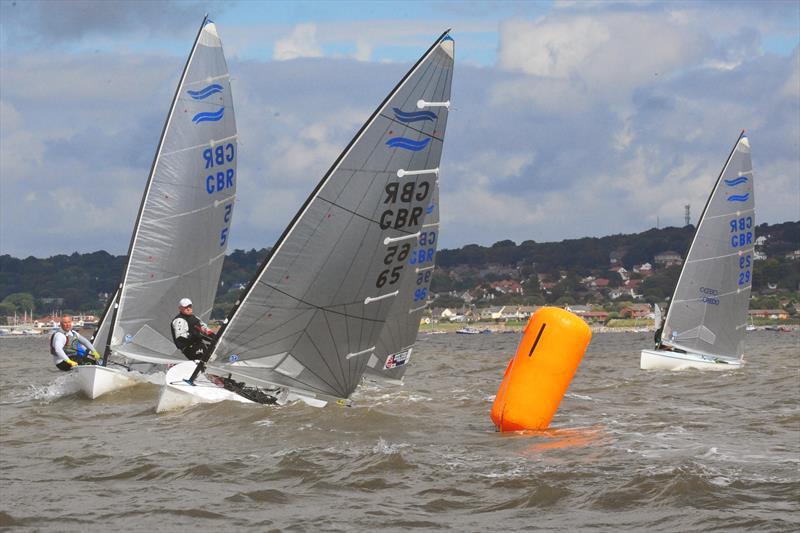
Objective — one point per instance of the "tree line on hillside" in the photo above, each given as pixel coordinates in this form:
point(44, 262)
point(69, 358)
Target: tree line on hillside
point(82, 282)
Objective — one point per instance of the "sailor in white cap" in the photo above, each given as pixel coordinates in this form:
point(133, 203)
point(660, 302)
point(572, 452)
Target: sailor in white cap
point(190, 334)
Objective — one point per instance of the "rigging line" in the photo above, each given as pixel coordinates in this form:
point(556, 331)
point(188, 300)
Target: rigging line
point(175, 276)
point(212, 144)
point(260, 345)
point(343, 385)
point(258, 321)
point(359, 368)
point(327, 308)
point(335, 346)
point(281, 380)
point(745, 250)
point(308, 368)
point(359, 215)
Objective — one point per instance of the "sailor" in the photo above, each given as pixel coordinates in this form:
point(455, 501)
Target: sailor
point(191, 335)
point(66, 346)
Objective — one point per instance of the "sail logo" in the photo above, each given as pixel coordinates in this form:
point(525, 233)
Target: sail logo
point(429, 209)
point(408, 144)
point(414, 116)
point(205, 92)
point(208, 116)
point(233, 358)
point(737, 181)
point(739, 197)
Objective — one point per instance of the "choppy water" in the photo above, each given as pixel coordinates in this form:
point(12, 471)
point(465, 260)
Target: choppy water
point(630, 450)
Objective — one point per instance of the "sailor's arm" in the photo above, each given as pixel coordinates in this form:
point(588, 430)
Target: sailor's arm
point(85, 342)
point(204, 328)
point(180, 328)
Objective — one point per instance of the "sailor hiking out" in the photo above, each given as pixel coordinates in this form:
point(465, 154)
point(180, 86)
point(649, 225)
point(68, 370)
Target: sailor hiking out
point(191, 335)
point(70, 349)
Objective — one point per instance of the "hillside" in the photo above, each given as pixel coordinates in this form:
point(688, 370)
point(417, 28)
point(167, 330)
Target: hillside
point(587, 270)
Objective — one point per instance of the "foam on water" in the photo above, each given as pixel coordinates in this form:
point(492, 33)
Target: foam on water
point(64, 385)
point(629, 450)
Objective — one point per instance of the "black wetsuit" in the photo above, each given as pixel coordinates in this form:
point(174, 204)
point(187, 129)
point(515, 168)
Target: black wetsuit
point(191, 336)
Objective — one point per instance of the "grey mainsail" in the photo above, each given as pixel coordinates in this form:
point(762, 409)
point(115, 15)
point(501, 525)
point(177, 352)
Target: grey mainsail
point(708, 311)
point(311, 317)
point(181, 233)
point(396, 343)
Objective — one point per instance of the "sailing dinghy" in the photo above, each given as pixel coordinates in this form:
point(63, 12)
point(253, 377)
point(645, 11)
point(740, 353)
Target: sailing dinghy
point(707, 316)
point(312, 317)
point(181, 232)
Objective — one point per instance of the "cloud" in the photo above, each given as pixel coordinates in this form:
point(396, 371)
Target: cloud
point(583, 139)
point(45, 23)
point(302, 42)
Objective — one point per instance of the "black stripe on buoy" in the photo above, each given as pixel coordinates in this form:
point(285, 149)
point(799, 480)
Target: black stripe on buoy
point(539, 336)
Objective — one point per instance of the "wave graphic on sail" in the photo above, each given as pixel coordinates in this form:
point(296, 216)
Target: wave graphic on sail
point(205, 92)
point(735, 182)
point(414, 116)
point(209, 116)
point(408, 144)
point(739, 197)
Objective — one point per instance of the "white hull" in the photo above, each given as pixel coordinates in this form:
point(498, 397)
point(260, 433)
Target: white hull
point(177, 394)
point(98, 380)
point(667, 360)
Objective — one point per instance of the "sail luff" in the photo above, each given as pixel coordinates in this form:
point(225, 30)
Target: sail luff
point(315, 192)
point(150, 181)
point(697, 230)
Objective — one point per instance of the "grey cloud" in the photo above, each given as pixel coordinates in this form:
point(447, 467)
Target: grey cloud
point(545, 168)
point(48, 22)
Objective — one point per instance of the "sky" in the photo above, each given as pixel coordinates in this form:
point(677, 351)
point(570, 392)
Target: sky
point(568, 118)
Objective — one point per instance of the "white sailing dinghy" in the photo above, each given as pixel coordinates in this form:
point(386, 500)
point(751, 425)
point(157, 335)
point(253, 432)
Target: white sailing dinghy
point(312, 317)
point(707, 316)
point(181, 232)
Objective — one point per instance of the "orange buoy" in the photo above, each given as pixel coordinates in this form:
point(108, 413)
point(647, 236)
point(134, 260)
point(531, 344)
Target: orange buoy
point(536, 379)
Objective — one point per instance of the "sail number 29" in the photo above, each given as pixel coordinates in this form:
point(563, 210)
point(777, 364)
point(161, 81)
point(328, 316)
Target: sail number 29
point(744, 269)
